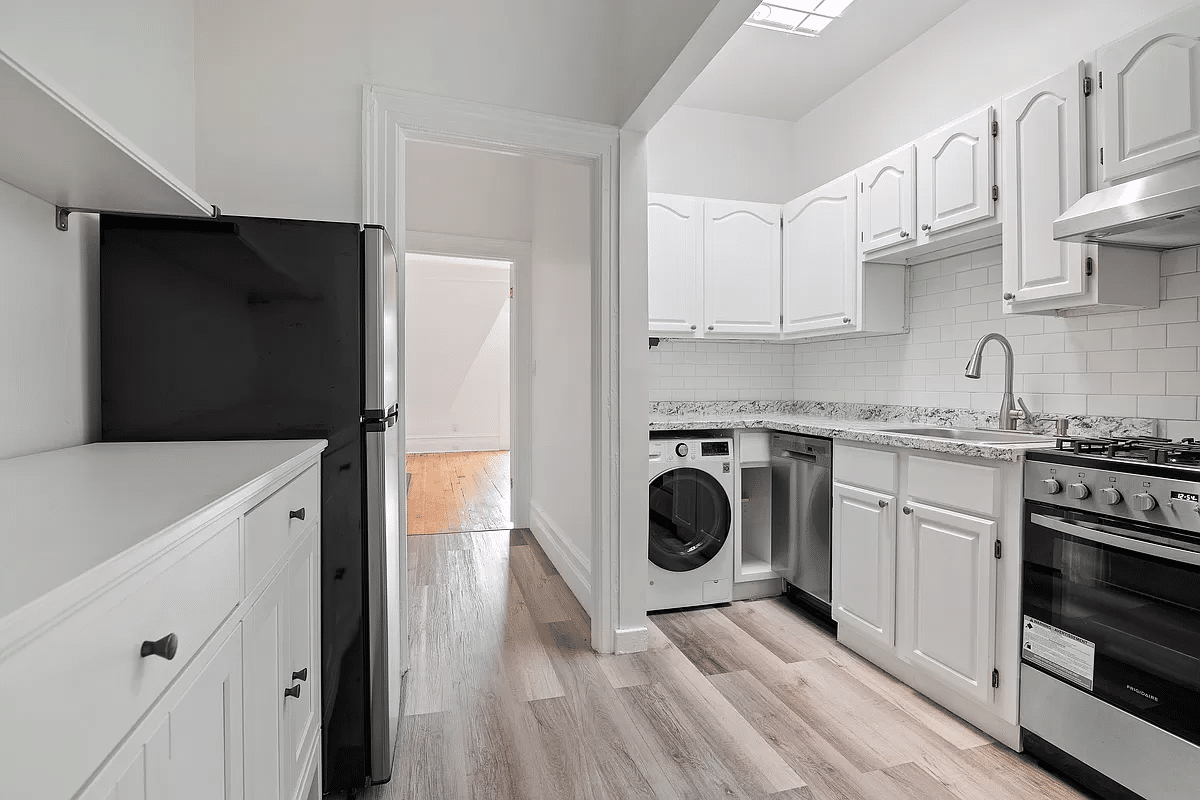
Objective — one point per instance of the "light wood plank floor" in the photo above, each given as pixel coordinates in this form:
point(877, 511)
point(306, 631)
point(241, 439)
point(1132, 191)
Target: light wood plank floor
point(456, 492)
point(505, 699)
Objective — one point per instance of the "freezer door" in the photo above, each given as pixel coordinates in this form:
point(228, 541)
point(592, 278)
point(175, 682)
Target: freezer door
point(386, 555)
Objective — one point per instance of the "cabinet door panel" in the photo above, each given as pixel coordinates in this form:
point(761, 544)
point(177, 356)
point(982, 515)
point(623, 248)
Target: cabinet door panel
point(946, 596)
point(955, 174)
point(1150, 96)
point(741, 267)
point(673, 262)
point(886, 207)
point(864, 562)
point(820, 259)
point(264, 634)
point(300, 714)
point(1043, 175)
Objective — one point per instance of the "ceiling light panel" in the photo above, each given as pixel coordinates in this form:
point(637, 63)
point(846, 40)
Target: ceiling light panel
point(803, 17)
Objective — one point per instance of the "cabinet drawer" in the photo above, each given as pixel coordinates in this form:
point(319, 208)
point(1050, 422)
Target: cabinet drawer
point(74, 692)
point(954, 484)
point(872, 469)
point(272, 525)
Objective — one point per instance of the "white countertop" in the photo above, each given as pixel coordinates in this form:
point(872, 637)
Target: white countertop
point(68, 511)
point(854, 430)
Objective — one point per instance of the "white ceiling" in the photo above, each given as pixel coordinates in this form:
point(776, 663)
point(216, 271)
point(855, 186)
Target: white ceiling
point(766, 73)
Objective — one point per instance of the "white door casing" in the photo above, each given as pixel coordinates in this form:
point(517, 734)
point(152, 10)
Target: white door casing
point(1043, 141)
point(390, 117)
point(820, 259)
point(864, 562)
point(1148, 85)
point(887, 200)
point(741, 267)
point(955, 175)
point(674, 237)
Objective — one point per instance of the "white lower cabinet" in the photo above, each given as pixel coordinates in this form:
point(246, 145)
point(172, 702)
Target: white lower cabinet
point(926, 575)
point(945, 599)
point(864, 562)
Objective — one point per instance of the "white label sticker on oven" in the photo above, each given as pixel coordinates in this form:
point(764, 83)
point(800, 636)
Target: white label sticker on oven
point(1062, 653)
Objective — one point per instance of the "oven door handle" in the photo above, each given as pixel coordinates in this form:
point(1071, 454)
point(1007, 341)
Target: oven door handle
point(1124, 542)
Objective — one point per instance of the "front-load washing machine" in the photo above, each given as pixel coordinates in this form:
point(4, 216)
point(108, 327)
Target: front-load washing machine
point(691, 522)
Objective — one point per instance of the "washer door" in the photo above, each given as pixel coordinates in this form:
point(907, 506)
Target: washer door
point(690, 519)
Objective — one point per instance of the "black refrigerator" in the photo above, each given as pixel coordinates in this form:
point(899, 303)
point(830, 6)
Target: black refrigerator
point(249, 328)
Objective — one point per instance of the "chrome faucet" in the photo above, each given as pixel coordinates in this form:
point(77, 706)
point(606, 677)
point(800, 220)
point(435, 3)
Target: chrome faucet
point(1008, 414)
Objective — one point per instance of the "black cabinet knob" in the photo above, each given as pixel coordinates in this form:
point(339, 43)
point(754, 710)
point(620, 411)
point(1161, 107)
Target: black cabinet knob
point(165, 647)
point(301, 675)
point(292, 692)
point(297, 514)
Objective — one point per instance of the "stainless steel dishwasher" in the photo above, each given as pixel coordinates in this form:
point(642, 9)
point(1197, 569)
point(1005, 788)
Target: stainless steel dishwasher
point(801, 515)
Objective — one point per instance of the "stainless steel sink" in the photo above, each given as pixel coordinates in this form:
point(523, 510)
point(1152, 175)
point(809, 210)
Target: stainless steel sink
point(976, 435)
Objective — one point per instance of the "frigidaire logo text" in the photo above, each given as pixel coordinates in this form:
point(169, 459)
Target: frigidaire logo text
point(1146, 695)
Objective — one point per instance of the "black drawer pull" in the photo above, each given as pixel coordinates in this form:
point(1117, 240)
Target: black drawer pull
point(165, 647)
point(302, 675)
point(299, 514)
point(292, 692)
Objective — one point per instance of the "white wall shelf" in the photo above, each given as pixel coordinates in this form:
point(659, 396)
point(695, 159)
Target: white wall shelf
point(54, 148)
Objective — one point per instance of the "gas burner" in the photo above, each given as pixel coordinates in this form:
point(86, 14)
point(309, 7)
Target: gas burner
point(1147, 449)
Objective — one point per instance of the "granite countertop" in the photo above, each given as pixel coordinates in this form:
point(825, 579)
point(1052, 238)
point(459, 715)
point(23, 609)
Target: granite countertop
point(862, 423)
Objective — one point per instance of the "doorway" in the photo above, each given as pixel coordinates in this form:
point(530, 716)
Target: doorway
point(458, 364)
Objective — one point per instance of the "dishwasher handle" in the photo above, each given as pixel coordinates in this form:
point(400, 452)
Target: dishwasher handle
point(796, 456)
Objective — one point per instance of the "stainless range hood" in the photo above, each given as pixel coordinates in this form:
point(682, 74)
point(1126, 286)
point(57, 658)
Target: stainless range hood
point(1158, 212)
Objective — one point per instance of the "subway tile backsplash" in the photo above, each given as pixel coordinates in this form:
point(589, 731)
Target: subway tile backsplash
point(1133, 364)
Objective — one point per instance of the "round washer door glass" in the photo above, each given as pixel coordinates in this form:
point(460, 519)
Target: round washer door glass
point(690, 519)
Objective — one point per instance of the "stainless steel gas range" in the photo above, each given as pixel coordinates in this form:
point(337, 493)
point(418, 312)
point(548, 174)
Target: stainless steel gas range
point(1110, 674)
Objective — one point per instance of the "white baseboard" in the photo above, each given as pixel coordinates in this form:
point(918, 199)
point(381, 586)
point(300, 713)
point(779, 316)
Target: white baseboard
point(451, 443)
point(631, 640)
point(574, 565)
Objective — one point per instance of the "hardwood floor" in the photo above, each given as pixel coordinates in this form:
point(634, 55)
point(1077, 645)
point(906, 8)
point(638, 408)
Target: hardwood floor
point(456, 492)
point(505, 699)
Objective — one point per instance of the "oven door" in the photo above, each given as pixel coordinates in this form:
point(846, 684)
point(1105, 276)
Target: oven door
point(1115, 611)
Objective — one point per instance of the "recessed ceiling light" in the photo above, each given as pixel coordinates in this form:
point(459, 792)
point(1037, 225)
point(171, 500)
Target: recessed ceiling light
point(802, 17)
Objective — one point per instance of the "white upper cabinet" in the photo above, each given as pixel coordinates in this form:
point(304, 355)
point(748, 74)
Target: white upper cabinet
point(1149, 91)
point(886, 200)
point(741, 267)
point(956, 175)
point(1043, 139)
point(820, 259)
point(673, 262)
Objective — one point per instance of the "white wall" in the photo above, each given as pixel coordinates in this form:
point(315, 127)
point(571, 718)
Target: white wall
point(131, 63)
point(562, 382)
point(456, 354)
point(713, 154)
point(466, 192)
point(981, 52)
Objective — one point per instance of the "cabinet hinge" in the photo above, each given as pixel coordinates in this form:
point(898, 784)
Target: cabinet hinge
point(1101, 79)
point(1087, 86)
point(1089, 267)
point(862, 187)
point(510, 292)
point(995, 128)
point(995, 679)
point(781, 320)
point(1101, 155)
point(995, 192)
point(998, 548)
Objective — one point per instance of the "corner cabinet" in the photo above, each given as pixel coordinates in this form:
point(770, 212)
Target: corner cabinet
point(1044, 173)
point(195, 680)
point(1148, 84)
point(926, 575)
point(713, 268)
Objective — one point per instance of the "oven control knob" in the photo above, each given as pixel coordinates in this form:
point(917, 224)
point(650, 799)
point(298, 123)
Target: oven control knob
point(1051, 486)
point(1110, 497)
point(681, 450)
point(1145, 501)
point(1078, 491)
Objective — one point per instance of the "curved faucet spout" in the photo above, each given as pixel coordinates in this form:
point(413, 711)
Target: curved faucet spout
point(1008, 419)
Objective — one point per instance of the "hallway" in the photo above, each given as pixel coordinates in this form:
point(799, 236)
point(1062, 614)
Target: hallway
point(506, 700)
point(458, 492)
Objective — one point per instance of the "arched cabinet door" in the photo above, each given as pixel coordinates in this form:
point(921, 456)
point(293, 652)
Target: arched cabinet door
point(955, 175)
point(820, 260)
point(741, 267)
point(1149, 91)
point(674, 230)
point(886, 201)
